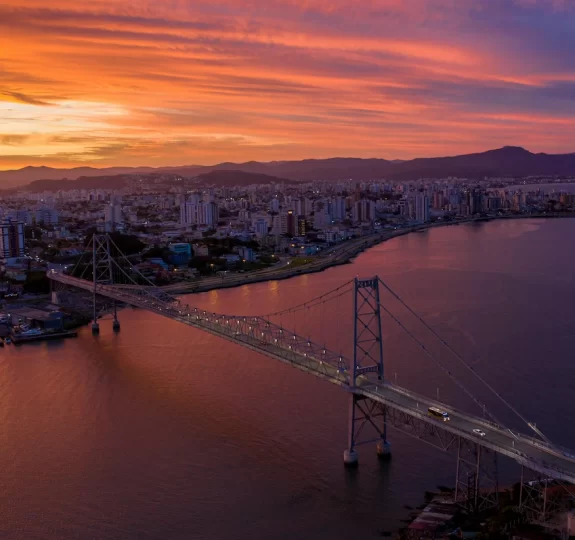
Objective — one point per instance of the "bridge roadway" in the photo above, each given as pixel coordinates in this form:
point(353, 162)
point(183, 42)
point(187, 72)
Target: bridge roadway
point(261, 336)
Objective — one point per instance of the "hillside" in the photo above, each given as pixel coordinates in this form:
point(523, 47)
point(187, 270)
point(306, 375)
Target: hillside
point(20, 177)
point(508, 161)
point(239, 178)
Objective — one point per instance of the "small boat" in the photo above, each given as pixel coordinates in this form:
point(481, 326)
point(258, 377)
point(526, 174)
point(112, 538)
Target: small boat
point(32, 332)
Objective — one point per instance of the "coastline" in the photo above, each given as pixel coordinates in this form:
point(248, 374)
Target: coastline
point(343, 254)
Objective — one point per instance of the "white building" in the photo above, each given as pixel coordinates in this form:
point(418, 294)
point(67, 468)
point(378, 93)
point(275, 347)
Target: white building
point(112, 216)
point(208, 214)
point(192, 213)
point(261, 227)
point(188, 213)
point(422, 207)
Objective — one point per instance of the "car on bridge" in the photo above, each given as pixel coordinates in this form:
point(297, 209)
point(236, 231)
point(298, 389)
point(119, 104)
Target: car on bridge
point(479, 432)
point(434, 412)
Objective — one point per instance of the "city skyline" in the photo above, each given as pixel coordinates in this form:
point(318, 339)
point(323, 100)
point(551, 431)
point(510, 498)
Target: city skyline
point(198, 83)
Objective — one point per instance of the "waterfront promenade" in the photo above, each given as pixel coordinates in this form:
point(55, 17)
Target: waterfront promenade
point(339, 254)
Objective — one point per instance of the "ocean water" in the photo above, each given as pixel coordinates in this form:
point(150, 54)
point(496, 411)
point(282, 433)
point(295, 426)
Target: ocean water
point(164, 432)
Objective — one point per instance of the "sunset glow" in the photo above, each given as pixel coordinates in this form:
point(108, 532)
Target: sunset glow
point(176, 82)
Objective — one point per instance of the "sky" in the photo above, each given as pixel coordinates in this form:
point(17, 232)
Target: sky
point(182, 82)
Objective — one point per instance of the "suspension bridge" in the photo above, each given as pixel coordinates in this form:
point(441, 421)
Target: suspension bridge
point(375, 403)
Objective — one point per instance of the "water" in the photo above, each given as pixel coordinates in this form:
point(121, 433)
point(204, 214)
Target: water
point(164, 432)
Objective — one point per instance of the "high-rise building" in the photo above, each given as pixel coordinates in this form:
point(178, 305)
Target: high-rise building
point(112, 216)
point(301, 226)
point(11, 239)
point(208, 214)
point(274, 205)
point(291, 223)
point(204, 213)
point(363, 211)
point(261, 228)
point(321, 219)
point(438, 200)
point(279, 224)
point(422, 207)
point(475, 201)
point(338, 209)
point(188, 213)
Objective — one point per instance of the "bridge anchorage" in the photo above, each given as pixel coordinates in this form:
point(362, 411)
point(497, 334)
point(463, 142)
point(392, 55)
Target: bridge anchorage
point(107, 278)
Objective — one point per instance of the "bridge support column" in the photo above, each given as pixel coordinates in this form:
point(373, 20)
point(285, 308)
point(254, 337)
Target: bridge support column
point(116, 323)
point(367, 424)
point(367, 364)
point(95, 328)
point(537, 499)
point(350, 455)
point(476, 483)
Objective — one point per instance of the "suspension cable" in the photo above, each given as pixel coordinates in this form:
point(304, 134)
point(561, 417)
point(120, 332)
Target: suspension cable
point(312, 302)
point(443, 368)
point(461, 360)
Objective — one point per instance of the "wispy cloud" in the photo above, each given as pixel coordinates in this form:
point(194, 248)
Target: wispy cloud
point(18, 97)
point(208, 80)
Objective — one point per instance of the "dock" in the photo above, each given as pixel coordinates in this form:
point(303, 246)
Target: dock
point(18, 340)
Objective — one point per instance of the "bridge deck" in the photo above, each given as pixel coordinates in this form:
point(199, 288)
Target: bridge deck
point(258, 335)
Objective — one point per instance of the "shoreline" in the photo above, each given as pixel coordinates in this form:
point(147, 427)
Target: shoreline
point(348, 253)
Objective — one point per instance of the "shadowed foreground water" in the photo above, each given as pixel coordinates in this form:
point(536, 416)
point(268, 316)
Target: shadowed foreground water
point(163, 432)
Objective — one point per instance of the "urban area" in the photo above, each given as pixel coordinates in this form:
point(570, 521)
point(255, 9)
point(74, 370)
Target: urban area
point(188, 235)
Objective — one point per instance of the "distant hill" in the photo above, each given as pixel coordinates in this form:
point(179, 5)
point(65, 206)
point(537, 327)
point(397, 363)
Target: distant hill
point(221, 178)
point(509, 161)
point(240, 178)
point(84, 182)
point(20, 177)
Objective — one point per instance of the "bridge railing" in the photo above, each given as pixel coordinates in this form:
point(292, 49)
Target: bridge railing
point(517, 454)
point(543, 445)
point(263, 335)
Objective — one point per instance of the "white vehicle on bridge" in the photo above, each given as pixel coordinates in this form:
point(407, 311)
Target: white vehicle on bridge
point(438, 413)
point(479, 432)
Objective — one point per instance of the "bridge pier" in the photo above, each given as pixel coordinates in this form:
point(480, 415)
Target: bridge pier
point(365, 416)
point(476, 481)
point(116, 323)
point(95, 328)
point(383, 449)
point(350, 458)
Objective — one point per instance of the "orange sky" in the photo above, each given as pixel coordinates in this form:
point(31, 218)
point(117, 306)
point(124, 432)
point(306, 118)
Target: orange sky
point(173, 82)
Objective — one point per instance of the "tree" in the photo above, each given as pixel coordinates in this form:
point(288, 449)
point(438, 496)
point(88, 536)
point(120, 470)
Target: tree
point(31, 232)
point(37, 282)
point(155, 253)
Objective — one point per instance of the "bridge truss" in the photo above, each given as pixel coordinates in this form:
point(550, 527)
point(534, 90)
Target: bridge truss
point(374, 403)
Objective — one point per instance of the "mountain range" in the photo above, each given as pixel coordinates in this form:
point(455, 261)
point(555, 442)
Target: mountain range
point(509, 161)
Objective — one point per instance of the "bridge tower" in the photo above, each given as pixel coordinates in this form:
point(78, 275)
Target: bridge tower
point(367, 363)
point(102, 273)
